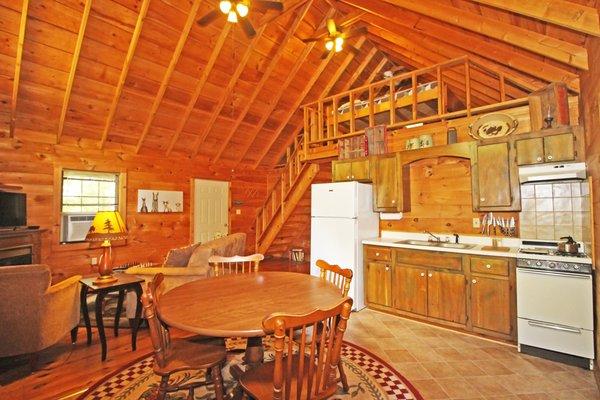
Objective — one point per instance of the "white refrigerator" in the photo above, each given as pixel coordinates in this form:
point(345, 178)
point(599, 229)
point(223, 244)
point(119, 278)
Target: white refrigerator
point(342, 217)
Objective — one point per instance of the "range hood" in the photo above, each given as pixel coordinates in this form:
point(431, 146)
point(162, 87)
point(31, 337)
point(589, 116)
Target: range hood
point(552, 172)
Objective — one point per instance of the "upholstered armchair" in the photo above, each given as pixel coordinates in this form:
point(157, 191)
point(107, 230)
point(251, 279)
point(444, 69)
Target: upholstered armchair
point(33, 313)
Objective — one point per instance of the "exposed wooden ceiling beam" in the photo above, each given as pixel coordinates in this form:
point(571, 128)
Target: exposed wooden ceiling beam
point(577, 17)
point(17, 74)
point(359, 70)
point(299, 61)
point(264, 79)
point(499, 53)
point(228, 90)
point(538, 43)
point(332, 81)
point(191, 19)
point(74, 61)
point(124, 71)
point(377, 70)
point(214, 54)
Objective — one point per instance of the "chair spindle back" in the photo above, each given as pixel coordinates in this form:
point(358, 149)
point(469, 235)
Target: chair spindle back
point(340, 277)
point(235, 265)
point(159, 334)
point(315, 364)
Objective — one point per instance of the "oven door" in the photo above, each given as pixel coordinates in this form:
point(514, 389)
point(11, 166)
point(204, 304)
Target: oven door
point(555, 297)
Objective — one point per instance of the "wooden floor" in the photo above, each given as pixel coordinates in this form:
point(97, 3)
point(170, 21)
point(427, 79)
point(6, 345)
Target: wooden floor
point(65, 370)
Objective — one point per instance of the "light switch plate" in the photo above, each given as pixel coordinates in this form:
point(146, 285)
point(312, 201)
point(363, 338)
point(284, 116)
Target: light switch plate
point(94, 261)
point(476, 223)
point(238, 211)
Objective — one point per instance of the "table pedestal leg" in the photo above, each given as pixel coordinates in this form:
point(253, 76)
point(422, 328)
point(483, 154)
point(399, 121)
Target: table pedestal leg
point(253, 357)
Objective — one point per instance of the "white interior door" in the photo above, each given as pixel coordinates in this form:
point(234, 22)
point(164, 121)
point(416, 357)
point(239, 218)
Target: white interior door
point(211, 209)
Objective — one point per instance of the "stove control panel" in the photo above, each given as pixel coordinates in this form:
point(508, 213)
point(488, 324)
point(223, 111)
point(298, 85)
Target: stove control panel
point(555, 266)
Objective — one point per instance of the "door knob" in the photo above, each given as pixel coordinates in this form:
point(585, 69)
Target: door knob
point(422, 273)
point(488, 266)
point(430, 275)
point(474, 281)
point(550, 157)
point(482, 199)
point(539, 159)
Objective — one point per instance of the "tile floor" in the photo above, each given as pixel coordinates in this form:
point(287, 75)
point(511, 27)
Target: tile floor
point(443, 364)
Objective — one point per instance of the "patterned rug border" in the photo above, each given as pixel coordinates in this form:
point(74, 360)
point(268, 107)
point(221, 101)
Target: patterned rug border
point(405, 381)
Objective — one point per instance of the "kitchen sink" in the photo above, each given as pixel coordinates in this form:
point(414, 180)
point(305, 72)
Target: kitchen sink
point(426, 243)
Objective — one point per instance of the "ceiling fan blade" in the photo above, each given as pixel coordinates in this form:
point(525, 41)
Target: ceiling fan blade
point(247, 27)
point(268, 5)
point(354, 49)
point(356, 32)
point(331, 27)
point(208, 18)
point(310, 40)
point(325, 54)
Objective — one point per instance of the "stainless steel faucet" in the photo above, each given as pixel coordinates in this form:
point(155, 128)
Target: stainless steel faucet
point(434, 237)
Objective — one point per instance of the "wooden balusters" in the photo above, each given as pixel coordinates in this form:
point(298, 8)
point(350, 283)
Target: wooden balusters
point(468, 86)
point(414, 95)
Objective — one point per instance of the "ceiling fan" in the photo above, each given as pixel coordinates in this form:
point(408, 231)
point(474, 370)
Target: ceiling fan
point(336, 38)
point(237, 11)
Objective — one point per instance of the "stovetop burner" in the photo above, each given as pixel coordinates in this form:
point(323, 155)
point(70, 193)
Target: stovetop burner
point(550, 252)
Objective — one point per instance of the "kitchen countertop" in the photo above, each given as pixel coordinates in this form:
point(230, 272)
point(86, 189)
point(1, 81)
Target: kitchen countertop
point(512, 252)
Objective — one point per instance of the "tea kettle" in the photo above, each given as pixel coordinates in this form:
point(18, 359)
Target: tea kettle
point(570, 246)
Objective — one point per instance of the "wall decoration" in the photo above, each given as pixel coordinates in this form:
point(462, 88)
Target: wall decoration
point(492, 126)
point(159, 201)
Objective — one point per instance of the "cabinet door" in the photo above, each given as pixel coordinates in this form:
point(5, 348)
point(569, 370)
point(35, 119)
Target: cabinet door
point(490, 304)
point(446, 296)
point(409, 289)
point(342, 171)
point(530, 151)
point(493, 180)
point(379, 284)
point(559, 148)
point(361, 170)
point(387, 186)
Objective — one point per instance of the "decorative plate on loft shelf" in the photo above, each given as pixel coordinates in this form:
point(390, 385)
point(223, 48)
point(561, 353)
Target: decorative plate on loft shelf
point(492, 126)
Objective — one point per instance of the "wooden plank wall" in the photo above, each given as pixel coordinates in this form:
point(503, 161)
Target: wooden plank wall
point(441, 188)
point(440, 199)
point(32, 165)
point(590, 110)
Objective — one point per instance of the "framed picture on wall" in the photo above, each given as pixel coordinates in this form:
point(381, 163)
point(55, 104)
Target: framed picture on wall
point(159, 201)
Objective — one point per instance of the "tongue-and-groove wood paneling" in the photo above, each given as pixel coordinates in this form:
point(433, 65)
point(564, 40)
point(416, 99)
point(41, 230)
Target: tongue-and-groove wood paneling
point(31, 165)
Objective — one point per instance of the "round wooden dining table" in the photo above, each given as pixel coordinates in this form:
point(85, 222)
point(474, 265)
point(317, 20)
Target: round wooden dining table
point(235, 305)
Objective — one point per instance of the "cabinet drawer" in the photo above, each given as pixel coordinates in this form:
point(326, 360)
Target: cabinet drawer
point(429, 259)
point(378, 253)
point(492, 266)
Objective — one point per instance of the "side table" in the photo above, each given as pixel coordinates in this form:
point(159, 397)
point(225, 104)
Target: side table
point(88, 286)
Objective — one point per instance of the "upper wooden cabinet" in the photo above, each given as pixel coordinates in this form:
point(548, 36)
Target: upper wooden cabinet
point(495, 181)
point(539, 150)
point(352, 170)
point(390, 188)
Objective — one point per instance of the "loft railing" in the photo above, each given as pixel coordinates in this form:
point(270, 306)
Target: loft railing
point(456, 88)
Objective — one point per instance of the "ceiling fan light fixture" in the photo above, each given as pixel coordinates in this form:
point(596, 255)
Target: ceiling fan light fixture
point(242, 9)
point(225, 6)
point(329, 45)
point(339, 43)
point(232, 17)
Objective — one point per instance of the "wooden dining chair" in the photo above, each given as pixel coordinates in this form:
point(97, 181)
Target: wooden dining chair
point(310, 373)
point(182, 354)
point(235, 265)
point(340, 277)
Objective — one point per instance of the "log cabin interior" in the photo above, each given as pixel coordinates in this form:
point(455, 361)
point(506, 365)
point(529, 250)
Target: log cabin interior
point(175, 168)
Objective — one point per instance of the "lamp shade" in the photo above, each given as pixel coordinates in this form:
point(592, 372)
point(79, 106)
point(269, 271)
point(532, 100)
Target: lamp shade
point(107, 225)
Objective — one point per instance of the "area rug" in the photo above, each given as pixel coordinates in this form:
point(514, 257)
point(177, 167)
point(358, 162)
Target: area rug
point(369, 378)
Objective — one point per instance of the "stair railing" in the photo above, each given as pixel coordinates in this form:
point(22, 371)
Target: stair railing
point(274, 205)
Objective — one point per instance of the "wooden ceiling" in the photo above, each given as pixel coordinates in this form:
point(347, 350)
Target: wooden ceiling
point(141, 76)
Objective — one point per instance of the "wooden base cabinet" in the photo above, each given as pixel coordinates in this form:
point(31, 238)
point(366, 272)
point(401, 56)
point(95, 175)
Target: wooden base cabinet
point(491, 304)
point(378, 285)
point(447, 296)
point(410, 289)
point(471, 293)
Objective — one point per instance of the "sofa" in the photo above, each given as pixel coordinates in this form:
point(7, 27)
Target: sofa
point(186, 264)
point(34, 314)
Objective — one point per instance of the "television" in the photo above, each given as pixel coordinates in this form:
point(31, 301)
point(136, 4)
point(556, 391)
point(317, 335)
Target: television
point(13, 209)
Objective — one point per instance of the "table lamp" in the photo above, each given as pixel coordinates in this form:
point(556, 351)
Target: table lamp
point(107, 226)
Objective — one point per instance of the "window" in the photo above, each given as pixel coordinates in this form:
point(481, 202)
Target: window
point(83, 194)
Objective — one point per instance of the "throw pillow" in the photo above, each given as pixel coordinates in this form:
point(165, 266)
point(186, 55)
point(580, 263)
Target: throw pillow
point(179, 257)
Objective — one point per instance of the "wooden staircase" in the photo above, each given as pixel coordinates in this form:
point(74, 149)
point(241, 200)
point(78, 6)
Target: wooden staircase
point(284, 219)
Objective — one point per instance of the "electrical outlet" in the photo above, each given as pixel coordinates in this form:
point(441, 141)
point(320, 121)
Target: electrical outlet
point(476, 223)
point(238, 212)
point(94, 261)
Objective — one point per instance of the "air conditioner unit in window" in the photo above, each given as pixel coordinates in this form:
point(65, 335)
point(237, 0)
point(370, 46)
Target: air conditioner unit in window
point(75, 226)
